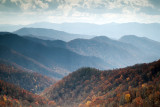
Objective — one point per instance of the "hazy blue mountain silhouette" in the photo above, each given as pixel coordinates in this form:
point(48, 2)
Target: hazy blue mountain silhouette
point(111, 51)
point(112, 30)
point(50, 56)
point(117, 53)
point(48, 34)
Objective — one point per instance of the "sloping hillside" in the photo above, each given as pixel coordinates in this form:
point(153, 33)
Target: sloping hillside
point(115, 53)
point(30, 81)
point(150, 47)
point(14, 96)
point(28, 63)
point(119, 53)
point(138, 85)
point(50, 57)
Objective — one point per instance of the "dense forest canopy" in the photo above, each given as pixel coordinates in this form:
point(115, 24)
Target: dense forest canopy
point(138, 85)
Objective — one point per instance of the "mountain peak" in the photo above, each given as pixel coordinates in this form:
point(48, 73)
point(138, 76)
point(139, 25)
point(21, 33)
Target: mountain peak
point(32, 29)
point(129, 36)
point(101, 38)
point(134, 38)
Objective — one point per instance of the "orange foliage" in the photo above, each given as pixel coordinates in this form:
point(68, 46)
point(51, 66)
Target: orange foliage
point(88, 103)
point(127, 97)
point(135, 85)
point(51, 103)
point(138, 101)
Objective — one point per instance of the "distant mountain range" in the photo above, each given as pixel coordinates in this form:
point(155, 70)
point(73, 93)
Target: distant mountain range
point(10, 28)
point(112, 30)
point(107, 49)
point(48, 34)
point(128, 50)
point(57, 58)
point(111, 51)
point(48, 60)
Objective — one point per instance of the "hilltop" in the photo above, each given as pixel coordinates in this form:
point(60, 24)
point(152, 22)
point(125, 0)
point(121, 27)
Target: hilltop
point(132, 86)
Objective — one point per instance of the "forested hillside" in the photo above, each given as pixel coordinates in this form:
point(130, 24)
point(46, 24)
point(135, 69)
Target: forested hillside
point(79, 53)
point(138, 85)
point(26, 61)
point(14, 96)
point(27, 80)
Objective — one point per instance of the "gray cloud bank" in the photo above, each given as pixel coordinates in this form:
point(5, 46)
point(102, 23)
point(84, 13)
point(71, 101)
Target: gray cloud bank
point(92, 11)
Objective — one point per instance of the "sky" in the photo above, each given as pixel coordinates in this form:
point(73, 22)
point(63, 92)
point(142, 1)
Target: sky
point(86, 11)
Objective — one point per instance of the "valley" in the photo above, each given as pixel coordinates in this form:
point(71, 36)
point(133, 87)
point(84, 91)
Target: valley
point(38, 68)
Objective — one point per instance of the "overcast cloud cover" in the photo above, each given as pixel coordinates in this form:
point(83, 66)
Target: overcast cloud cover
point(90, 11)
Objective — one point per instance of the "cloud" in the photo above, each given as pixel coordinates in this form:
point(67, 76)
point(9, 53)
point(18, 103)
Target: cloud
point(41, 4)
point(104, 6)
point(31, 5)
point(90, 6)
point(156, 3)
point(3, 1)
point(96, 11)
point(49, 0)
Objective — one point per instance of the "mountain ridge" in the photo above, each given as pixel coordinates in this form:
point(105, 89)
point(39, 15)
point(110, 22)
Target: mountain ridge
point(150, 30)
point(107, 49)
point(92, 87)
point(113, 30)
point(45, 33)
point(52, 57)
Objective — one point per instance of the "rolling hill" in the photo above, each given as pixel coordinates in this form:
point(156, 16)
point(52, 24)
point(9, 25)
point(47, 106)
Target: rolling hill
point(111, 51)
point(133, 86)
point(119, 53)
point(14, 96)
point(150, 47)
point(27, 80)
point(49, 57)
point(48, 34)
point(56, 58)
point(112, 30)
point(22, 58)
point(28, 63)
point(116, 53)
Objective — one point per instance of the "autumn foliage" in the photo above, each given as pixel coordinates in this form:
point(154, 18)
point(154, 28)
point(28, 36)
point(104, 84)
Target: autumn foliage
point(28, 80)
point(135, 86)
point(14, 96)
point(17, 85)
